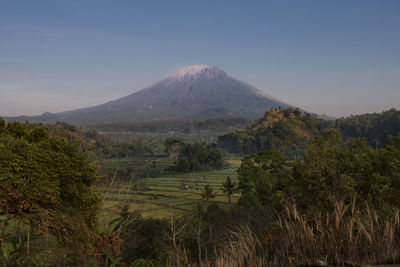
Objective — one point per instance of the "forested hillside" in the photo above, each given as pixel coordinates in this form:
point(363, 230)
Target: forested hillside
point(289, 131)
point(285, 130)
point(374, 127)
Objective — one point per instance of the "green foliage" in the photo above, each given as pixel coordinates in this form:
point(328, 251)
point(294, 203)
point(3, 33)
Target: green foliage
point(374, 127)
point(229, 188)
point(94, 144)
point(348, 170)
point(143, 240)
point(288, 131)
point(264, 173)
point(207, 193)
point(194, 157)
point(46, 187)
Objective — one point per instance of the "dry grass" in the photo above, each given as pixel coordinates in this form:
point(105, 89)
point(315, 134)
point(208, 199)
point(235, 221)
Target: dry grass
point(346, 236)
point(242, 249)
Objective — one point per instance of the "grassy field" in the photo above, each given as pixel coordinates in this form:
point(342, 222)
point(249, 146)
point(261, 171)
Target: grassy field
point(165, 193)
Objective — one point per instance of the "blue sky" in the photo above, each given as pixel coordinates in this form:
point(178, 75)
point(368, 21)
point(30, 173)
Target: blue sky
point(332, 57)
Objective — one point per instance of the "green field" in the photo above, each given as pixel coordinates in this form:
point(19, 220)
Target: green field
point(141, 166)
point(165, 193)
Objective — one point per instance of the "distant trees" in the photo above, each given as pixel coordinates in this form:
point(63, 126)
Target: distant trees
point(194, 157)
point(374, 127)
point(91, 142)
point(173, 146)
point(288, 131)
point(182, 126)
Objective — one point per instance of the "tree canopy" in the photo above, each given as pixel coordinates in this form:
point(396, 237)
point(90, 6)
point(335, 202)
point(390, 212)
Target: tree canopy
point(46, 187)
point(347, 170)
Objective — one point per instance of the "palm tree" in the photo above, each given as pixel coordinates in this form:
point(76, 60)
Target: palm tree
point(229, 188)
point(207, 193)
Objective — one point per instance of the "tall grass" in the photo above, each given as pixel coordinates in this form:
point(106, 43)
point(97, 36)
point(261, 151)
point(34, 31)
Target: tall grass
point(348, 235)
point(242, 249)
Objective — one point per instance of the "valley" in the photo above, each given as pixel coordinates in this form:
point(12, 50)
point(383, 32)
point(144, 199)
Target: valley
point(199, 133)
point(145, 184)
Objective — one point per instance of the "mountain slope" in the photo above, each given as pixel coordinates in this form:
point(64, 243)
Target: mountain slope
point(194, 92)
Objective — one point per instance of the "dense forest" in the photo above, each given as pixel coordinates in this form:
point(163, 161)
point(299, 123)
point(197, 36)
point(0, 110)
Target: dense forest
point(312, 192)
point(374, 127)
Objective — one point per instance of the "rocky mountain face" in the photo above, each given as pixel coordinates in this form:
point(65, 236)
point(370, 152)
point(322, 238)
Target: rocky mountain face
point(194, 92)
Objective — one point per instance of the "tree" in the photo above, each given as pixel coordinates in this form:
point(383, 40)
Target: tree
point(265, 174)
point(207, 193)
point(183, 165)
point(46, 190)
point(173, 146)
point(229, 188)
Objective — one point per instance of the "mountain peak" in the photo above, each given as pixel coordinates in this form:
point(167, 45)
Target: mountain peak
point(193, 92)
point(195, 71)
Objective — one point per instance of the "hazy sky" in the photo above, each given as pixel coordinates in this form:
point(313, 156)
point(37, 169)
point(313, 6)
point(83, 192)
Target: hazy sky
point(334, 57)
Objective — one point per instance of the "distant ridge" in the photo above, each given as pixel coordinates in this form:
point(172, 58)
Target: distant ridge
point(191, 93)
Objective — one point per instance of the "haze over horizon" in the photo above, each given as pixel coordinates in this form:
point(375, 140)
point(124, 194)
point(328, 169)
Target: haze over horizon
point(336, 58)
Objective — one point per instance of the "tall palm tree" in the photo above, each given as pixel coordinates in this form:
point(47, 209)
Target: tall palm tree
point(207, 193)
point(229, 188)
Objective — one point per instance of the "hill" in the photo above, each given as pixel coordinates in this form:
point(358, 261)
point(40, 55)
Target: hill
point(289, 131)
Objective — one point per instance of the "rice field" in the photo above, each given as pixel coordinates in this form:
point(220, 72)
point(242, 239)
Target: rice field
point(162, 195)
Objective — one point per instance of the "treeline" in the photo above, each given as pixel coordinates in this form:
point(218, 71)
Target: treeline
point(185, 127)
point(194, 157)
point(91, 142)
point(374, 127)
point(289, 131)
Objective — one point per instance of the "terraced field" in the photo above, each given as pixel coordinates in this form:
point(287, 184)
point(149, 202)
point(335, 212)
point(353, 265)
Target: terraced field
point(168, 193)
point(141, 166)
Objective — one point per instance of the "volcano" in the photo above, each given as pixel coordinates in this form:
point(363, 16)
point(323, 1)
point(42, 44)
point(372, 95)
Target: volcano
point(191, 93)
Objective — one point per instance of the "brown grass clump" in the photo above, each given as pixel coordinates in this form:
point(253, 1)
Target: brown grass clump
point(242, 249)
point(346, 235)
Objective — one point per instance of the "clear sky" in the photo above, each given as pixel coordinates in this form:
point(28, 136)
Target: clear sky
point(333, 57)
